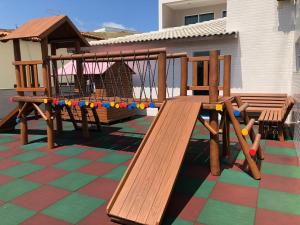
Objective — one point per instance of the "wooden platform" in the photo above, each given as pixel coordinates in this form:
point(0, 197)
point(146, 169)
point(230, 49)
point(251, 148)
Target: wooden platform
point(144, 191)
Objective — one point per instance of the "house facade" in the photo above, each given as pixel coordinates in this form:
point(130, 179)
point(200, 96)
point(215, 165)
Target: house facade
point(261, 36)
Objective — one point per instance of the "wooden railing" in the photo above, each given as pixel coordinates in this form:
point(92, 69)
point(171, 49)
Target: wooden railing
point(205, 85)
point(28, 76)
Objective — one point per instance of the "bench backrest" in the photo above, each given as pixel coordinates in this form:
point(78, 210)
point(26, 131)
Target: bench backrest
point(261, 101)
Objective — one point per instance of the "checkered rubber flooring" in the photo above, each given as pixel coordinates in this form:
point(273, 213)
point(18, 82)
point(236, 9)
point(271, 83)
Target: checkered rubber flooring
point(73, 183)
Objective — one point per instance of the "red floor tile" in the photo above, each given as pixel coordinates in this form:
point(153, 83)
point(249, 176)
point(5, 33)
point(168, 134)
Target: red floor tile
point(91, 155)
point(6, 163)
point(235, 194)
point(282, 159)
point(101, 188)
point(41, 219)
point(40, 198)
point(284, 184)
point(268, 217)
point(49, 160)
point(97, 217)
point(13, 144)
point(97, 168)
point(11, 152)
point(186, 208)
point(289, 144)
point(4, 179)
point(46, 175)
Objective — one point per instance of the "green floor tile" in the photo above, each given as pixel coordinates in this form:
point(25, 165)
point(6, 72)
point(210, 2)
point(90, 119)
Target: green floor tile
point(221, 213)
point(281, 170)
point(34, 145)
point(280, 151)
point(3, 148)
point(73, 208)
point(279, 201)
point(73, 181)
point(238, 177)
point(28, 156)
point(21, 170)
point(6, 140)
point(70, 151)
point(115, 158)
point(11, 214)
point(205, 189)
point(116, 174)
point(37, 137)
point(16, 188)
point(72, 164)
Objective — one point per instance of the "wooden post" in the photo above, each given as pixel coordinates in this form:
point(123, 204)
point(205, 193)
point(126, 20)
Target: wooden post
point(184, 76)
point(213, 98)
point(48, 92)
point(23, 120)
point(85, 125)
point(79, 80)
point(227, 76)
point(226, 136)
point(162, 76)
point(59, 125)
point(82, 88)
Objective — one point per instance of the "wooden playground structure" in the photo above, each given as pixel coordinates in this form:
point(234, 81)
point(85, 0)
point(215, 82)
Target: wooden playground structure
point(145, 189)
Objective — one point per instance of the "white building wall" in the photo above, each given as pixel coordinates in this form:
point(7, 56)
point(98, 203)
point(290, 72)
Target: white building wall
point(266, 43)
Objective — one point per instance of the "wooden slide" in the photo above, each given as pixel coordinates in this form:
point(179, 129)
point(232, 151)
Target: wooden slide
point(144, 191)
point(8, 122)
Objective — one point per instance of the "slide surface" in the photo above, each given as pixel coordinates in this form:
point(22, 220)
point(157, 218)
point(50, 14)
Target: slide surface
point(145, 189)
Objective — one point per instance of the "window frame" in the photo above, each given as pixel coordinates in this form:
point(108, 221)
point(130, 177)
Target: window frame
point(190, 16)
point(209, 12)
point(223, 13)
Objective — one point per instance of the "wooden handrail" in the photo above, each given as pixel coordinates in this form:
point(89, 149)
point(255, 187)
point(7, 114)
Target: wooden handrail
point(31, 62)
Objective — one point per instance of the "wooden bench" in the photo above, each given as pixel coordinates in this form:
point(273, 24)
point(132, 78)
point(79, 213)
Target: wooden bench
point(258, 102)
point(275, 118)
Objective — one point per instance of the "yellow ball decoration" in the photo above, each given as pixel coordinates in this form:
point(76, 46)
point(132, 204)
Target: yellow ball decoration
point(92, 105)
point(142, 106)
point(69, 103)
point(245, 132)
point(45, 101)
point(137, 105)
point(219, 107)
point(117, 106)
point(112, 104)
point(87, 103)
point(66, 102)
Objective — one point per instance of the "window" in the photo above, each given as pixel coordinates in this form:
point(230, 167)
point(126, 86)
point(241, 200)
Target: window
point(224, 13)
point(190, 19)
point(297, 57)
point(206, 17)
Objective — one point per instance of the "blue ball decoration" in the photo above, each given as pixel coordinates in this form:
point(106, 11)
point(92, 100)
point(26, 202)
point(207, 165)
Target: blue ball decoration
point(133, 105)
point(107, 105)
point(152, 105)
point(61, 102)
point(237, 113)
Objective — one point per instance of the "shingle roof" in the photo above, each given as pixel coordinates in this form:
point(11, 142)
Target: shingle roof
point(204, 29)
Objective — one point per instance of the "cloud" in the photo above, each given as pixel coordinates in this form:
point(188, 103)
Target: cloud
point(116, 25)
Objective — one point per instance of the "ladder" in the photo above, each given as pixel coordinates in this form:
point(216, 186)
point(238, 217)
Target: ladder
point(253, 152)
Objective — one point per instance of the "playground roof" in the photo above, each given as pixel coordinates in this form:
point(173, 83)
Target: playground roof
point(58, 29)
point(205, 29)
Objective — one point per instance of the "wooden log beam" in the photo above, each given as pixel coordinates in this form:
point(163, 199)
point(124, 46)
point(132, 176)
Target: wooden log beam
point(255, 145)
point(245, 130)
point(213, 98)
point(207, 125)
point(40, 111)
point(184, 76)
point(162, 73)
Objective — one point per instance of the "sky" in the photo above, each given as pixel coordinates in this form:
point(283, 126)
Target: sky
point(88, 15)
